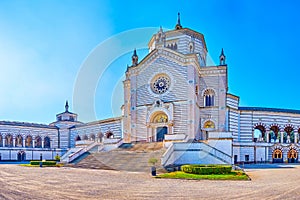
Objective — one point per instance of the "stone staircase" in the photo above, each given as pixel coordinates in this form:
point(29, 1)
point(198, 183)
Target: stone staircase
point(181, 153)
point(130, 159)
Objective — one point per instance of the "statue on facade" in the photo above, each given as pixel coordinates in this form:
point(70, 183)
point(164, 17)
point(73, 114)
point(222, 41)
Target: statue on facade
point(288, 139)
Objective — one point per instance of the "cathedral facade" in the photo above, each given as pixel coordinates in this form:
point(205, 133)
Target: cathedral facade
point(170, 96)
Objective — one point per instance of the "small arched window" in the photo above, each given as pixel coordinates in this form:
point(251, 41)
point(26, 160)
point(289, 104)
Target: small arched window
point(85, 137)
point(109, 134)
point(47, 142)
point(277, 154)
point(28, 141)
point(1, 141)
point(92, 137)
point(19, 141)
point(38, 142)
point(209, 98)
point(8, 140)
point(77, 138)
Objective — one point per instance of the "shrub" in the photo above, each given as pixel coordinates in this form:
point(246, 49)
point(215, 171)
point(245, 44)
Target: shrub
point(48, 163)
point(57, 157)
point(152, 161)
point(206, 169)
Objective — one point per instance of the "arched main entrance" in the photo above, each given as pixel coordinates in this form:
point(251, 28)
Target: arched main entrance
point(277, 156)
point(21, 156)
point(159, 123)
point(292, 156)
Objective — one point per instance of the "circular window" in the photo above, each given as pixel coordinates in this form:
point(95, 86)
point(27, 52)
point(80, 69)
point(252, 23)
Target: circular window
point(160, 84)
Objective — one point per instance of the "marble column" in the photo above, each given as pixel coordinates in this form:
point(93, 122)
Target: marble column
point(14, 141)
point(268, 139)
point(281, 136)
point(23, 142)
point(42, 143)
point(33, 143)
point(3, 142)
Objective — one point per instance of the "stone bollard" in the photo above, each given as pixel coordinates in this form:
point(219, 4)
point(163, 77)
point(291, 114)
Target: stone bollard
point(153, 171)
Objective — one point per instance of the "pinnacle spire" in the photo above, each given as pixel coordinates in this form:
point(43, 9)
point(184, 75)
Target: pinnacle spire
point(67, 106)
point(178, 25)
point(135, 58)
point(134, 53)
point(222, 52)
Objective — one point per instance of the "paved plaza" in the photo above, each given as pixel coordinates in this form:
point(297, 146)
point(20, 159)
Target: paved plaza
point(18, 182)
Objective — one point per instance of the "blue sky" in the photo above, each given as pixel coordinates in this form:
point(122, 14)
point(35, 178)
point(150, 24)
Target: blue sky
point(43, 45)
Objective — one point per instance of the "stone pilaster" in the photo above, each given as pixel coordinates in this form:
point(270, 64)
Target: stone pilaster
point(267, 135)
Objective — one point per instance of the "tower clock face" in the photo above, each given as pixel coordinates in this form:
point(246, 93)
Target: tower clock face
point(160, 84)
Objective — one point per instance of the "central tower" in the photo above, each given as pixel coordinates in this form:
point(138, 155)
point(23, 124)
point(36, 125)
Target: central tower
point(171, 94)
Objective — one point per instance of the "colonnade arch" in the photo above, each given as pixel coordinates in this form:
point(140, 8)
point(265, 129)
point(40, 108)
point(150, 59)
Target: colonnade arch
point(275, 133)
point(25, 140)
point(95, 137)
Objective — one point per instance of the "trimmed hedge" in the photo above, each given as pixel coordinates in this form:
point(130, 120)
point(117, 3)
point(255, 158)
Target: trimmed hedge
point(206, 169)
point(48, 163)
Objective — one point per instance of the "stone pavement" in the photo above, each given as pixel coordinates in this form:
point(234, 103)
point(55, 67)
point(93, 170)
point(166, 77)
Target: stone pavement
point(18, 182)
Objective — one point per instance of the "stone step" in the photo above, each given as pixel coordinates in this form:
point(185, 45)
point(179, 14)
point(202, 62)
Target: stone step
point(133, 159)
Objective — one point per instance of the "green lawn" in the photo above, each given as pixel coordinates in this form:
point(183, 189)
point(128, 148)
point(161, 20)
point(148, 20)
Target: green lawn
point(235, 175)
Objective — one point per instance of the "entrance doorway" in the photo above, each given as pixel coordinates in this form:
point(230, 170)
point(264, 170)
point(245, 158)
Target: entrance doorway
point(21, 155)
point(160, 133)
point(235, 159)
point(292, 156)
point(277, 156)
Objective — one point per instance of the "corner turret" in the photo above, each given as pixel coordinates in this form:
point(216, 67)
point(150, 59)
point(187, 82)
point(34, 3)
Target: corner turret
point(135, 58)
point(222, 58)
